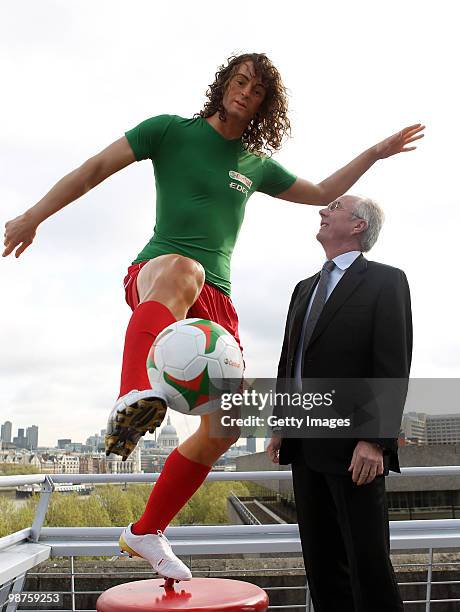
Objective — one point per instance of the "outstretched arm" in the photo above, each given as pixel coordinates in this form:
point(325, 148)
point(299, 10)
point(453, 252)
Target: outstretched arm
point(305, 192)
point(20, 232)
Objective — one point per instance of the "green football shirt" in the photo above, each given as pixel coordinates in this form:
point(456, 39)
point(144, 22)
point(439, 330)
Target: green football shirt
point(203, 182)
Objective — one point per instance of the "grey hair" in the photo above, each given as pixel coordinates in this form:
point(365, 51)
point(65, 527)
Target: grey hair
point(369, 211)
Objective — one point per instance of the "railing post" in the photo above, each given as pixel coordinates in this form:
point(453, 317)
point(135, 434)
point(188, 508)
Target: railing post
point(16, 590)
point(4, 592)
point(428, 580)
point(72, 582)
point(308, 601)
point(42, 508)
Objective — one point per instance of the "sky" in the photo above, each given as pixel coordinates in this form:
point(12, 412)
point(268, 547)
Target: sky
point(77, 75)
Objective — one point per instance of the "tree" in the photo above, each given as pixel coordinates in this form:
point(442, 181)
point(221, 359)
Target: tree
point(94, 512)
point(116, 503)
point(14, 519)
point(24, 515)
point(11, 469)
point(138, 496)
point(64, 511)
point(6, 512)
point(208, 506)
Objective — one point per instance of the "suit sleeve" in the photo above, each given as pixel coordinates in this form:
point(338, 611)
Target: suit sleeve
point(392, 342)
point(282, 364)
point(392, 351)
point(282, 374)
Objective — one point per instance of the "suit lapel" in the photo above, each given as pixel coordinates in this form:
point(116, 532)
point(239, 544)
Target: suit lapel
point(345, 287)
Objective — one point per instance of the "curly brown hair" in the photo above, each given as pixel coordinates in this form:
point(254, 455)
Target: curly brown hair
point(270, 124)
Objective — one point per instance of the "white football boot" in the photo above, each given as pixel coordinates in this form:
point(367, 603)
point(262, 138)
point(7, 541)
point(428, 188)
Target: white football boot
point(132, 416)
point(156, 549)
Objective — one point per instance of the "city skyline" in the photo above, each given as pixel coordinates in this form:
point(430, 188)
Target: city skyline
point(417, 426)
point(99, 436)
point(76, 457)
point(29, 439)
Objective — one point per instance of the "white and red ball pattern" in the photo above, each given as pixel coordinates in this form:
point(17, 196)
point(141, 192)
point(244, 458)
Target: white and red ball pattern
point(194, 361)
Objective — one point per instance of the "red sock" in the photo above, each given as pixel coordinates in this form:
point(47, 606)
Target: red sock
point(178, 481)
point(147, 321)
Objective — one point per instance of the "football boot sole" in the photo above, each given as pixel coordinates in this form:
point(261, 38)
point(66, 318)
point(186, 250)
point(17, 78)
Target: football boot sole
point(130, 423)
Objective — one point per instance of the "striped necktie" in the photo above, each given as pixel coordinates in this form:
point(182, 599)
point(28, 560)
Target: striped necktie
point(318, 302)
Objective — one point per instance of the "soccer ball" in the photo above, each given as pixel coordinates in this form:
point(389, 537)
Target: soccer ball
point(194, 361)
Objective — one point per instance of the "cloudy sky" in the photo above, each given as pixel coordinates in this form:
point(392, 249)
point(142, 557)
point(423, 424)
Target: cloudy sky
point(76, 75)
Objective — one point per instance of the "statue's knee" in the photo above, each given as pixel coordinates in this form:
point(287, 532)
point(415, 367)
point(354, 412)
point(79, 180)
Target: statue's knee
point(188, 269)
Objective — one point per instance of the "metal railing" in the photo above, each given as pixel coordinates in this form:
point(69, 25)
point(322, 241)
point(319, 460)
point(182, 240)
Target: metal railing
point(442, 535)
point(244, 513)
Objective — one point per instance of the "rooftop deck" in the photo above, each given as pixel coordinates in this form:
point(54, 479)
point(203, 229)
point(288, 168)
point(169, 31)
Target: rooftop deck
point(22, 552)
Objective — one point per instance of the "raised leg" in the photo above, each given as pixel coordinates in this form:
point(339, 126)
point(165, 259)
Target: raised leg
point(167, 286)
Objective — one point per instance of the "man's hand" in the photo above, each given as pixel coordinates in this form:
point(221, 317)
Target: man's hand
point(19, 232)
point(274, 447)
point(398, 142)
point(366, 463)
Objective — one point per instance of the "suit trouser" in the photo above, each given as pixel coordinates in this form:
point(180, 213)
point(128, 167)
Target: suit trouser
point(345, 542)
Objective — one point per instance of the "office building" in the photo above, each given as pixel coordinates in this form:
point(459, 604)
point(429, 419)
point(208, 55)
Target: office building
point(6, 432)
point(20, 441)
point(443, 429)
point(32, 437)
point(414, 428)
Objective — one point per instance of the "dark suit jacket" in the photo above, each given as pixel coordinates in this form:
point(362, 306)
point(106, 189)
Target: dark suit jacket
point(364, 331)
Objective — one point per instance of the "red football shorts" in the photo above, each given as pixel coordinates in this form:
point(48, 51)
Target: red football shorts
point(212, 304)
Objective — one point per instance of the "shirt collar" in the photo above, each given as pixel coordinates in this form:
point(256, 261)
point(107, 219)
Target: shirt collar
point(345, 260)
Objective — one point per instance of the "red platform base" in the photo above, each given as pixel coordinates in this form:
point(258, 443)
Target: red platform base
point(196, 595)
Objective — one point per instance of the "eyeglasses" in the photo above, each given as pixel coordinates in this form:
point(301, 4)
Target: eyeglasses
point(336, 205)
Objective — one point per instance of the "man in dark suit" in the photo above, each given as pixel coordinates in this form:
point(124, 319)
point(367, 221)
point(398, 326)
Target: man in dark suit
point(351, 321)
